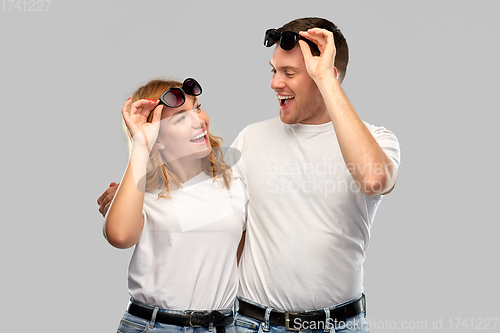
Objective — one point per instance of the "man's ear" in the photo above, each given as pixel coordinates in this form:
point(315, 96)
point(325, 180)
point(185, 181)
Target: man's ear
point(335, 70)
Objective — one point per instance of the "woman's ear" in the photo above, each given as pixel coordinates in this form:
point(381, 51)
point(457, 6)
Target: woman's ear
point(159, 145)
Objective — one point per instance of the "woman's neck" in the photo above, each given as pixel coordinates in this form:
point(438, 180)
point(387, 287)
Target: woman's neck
point(185, 168)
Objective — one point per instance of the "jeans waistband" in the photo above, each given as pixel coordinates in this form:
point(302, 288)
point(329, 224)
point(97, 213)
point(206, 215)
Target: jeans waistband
point(181, 312)
point(295, 320)
point(352, 300)
point(193, 318)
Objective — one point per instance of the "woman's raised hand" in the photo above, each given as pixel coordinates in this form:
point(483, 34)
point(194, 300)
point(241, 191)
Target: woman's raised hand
point(136, 115)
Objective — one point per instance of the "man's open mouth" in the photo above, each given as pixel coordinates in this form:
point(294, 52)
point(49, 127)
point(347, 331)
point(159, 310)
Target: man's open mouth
point(285, 99)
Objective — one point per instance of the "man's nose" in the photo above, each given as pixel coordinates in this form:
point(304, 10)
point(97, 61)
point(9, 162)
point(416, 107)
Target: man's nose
point(277, 82)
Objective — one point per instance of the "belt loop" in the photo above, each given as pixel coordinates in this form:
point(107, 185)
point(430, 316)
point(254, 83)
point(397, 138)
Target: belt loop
point(153, 318)
point(364, 302)
point(327, 319)
point(266, 318)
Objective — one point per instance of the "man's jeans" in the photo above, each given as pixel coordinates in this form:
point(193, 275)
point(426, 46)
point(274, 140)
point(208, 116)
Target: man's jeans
point(244, 324)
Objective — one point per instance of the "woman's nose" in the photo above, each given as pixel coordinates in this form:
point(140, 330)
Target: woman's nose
point(197, 121)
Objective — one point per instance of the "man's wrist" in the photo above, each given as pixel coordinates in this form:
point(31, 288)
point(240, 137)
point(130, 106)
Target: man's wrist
point(326, 82)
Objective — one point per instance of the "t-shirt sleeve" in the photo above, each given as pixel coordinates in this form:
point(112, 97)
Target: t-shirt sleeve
point(234, 158)
point(388, 142)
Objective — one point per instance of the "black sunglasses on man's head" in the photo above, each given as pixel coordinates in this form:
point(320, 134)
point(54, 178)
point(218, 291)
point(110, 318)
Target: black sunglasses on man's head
point(287, 39)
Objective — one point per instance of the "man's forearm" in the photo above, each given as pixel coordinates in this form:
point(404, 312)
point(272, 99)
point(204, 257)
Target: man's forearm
point(368, 164)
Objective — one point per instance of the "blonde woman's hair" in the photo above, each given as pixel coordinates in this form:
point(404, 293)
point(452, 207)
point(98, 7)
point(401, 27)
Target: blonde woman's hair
point(159, 175)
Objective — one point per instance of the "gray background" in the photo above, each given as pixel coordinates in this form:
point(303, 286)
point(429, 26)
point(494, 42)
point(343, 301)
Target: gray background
point(427, 70)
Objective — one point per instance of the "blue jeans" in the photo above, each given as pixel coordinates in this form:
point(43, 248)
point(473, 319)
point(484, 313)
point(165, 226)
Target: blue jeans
point(244, 324)
point(133, 324)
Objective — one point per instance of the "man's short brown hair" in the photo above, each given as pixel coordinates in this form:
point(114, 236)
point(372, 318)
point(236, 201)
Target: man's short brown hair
point(342, 54)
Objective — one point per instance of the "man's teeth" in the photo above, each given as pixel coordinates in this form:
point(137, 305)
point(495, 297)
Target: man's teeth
point(284, 99)
point(199, 135)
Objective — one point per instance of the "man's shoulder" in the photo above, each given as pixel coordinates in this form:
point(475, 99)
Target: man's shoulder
point(261, 127)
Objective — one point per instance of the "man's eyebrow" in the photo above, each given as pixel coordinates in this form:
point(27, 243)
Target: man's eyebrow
point(285, 67)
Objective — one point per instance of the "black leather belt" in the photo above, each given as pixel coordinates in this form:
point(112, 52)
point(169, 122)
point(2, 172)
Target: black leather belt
point(193, 318)
point(294, 321)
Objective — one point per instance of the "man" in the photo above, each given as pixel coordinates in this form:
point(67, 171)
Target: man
point(315, 177)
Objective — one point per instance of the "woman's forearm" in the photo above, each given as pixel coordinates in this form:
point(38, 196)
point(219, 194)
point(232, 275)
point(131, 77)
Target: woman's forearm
point(124, 221)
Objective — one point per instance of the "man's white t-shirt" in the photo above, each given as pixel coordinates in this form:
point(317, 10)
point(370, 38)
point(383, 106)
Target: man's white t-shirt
point(186, 256)
point(308, 222)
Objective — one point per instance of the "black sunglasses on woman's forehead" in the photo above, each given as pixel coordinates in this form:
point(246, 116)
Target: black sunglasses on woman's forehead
point(175, 97)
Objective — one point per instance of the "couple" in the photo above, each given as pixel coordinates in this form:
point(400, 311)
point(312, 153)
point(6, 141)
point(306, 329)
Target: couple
point(305, 190)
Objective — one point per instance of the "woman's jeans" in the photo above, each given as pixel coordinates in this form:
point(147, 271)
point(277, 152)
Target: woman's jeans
point(132, 324)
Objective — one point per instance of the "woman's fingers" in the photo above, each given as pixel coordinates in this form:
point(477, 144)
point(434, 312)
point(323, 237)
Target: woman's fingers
point(146, 110)
point(142, 107)
point(157, 113)
point(126, 107)
point(135, 114)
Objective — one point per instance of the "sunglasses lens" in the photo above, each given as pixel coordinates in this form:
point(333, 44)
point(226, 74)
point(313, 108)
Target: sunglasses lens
point(191, 87)
point(288, 40)
point(173, 98)
point(272, 35)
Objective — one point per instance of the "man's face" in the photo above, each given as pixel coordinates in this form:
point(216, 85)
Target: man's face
point(299, 97)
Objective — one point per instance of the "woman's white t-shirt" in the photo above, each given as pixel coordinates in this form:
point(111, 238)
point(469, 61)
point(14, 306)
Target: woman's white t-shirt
point(186, 256)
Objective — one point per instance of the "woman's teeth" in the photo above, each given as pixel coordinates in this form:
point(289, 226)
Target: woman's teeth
point(202, 134)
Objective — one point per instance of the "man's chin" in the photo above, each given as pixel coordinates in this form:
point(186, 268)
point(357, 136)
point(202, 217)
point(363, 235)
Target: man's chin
point(286, 118)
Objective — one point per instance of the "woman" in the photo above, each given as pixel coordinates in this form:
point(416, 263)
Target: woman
point(184, 211)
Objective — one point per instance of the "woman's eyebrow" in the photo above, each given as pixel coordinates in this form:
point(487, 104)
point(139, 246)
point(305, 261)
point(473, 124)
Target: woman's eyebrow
point(181, 111)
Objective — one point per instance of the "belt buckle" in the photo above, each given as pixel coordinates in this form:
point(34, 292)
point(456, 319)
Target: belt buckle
point(191, 317)
point(287, 322)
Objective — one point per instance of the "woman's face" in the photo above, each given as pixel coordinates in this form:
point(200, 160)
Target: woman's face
point(184, 131)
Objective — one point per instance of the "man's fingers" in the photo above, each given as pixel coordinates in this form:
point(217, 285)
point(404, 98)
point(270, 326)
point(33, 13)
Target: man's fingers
point(101, 198)
point(105, 210)
point(107, 198)
point(318, 40)
point(320, 33)
point(320, 37)
point(110, 191)
point(104, 205)
point(306, 50)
